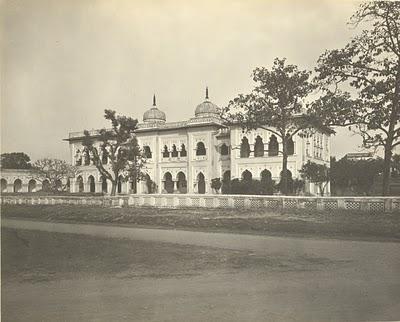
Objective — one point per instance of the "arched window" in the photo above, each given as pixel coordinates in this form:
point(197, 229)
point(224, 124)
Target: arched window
point(32, 185)
point(3, 185)
point(259, 147)
point(200, 149)
point(104, 186)
point(201, 183)
point(147, 152)
point(183, 151)
point(104, 157)
point(168, 183)
point(165, 153)
point(58, 185)
point(174, 152)
point(224, 149)
point(245, 148)
point(247, 176)
point(86, 157)
point(46, 185)
point(290, 146)
point(78, 158)
point(121, 180)
point(79, 184)
point(92, 186)
point(273, 146)
point(265, 175)
point(17, 185)
point(226, 182)
point(181, 182)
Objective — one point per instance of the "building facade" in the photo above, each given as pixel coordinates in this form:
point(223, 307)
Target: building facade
point(183, 157)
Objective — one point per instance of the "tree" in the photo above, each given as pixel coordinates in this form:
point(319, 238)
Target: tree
point(15, 160)
point(316, 173)
point(354, 177)
point(55, 171)
point(275, 104)
point(361, 82)
point(216, 184)
point(118, 146)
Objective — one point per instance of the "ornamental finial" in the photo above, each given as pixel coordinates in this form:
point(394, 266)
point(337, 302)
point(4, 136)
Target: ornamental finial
point(154, 100)
point(206, 92)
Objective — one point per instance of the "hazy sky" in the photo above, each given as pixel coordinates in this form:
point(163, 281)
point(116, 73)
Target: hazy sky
point(64, 61)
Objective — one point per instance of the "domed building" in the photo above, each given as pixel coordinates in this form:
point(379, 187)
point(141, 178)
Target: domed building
point(184, 156)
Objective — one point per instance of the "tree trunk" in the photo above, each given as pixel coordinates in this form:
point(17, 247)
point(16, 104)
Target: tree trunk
point(113, 187)
point(284, 185)
point(321, 189)
point(386, 168)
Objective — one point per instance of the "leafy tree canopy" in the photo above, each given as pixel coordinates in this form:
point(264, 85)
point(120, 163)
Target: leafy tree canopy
point(15, 160)
point(361, 82)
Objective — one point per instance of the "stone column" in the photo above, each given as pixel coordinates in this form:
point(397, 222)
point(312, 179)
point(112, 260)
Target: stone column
point(98, 186)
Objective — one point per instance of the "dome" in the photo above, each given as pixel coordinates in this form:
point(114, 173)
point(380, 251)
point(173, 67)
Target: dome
point(154, 114)
point(207, 108)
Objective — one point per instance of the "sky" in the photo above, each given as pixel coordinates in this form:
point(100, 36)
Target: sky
point(64, 61)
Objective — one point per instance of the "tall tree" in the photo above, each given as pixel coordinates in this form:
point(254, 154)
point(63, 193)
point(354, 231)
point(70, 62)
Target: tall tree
point(15, 160)
point(361, 82)
point(275, 104)
point(118, 151)
point(55, 171)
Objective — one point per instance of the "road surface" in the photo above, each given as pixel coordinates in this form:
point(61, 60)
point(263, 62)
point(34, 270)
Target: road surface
point(361, 284)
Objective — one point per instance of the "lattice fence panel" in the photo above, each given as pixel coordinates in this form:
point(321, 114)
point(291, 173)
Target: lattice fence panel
point(256, 203)
point(170, 202)
point(353, 205)
point(223, 203)
point(238, 202)
point(330, 205)
point(272, 204)
point(196, 202)
point(310, 205)
point(209, 203)
point(182, 202)
point(290, 204)
point(377, 206)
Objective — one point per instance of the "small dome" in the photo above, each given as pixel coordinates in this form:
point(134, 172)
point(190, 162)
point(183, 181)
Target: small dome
point(154, 114)
point(207, 108)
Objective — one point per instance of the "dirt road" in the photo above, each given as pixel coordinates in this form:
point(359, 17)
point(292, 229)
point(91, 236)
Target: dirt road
point(259, 279)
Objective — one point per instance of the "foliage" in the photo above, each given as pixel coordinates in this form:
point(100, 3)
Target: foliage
point(119, 147)
point(298, 186)
point(274, 105)
point(216, 184)
point(15, 160)
point(316, 173)
point(250, 187)
point(354, 177)
point(396, 166)
point(55, 172)
point(369, 65)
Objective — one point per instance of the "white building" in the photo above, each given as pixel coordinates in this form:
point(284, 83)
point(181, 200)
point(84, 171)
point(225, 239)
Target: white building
point(183, 157)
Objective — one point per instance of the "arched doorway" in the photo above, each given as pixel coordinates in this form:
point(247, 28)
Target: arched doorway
point(32, 185)
point(226, 182)
point(247, 175)
point(168, 183)
point(181, 182)
point(267, 185)
point(104, 186)
point(79, 184)
point(120, 183)
point(289, 181)
point(17, 185)
point(45, 185)
point(92, 185)
point(59, 185)
point(3, 185)
point(201, 183)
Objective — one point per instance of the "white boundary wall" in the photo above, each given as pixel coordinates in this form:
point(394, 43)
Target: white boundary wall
point(367, 204)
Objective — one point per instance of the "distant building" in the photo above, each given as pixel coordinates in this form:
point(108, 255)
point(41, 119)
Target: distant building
point(359, 156)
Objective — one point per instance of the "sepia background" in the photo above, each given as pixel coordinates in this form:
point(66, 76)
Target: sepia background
point(64, 62)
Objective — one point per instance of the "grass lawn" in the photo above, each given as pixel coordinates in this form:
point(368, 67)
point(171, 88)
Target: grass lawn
point(335, 224)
